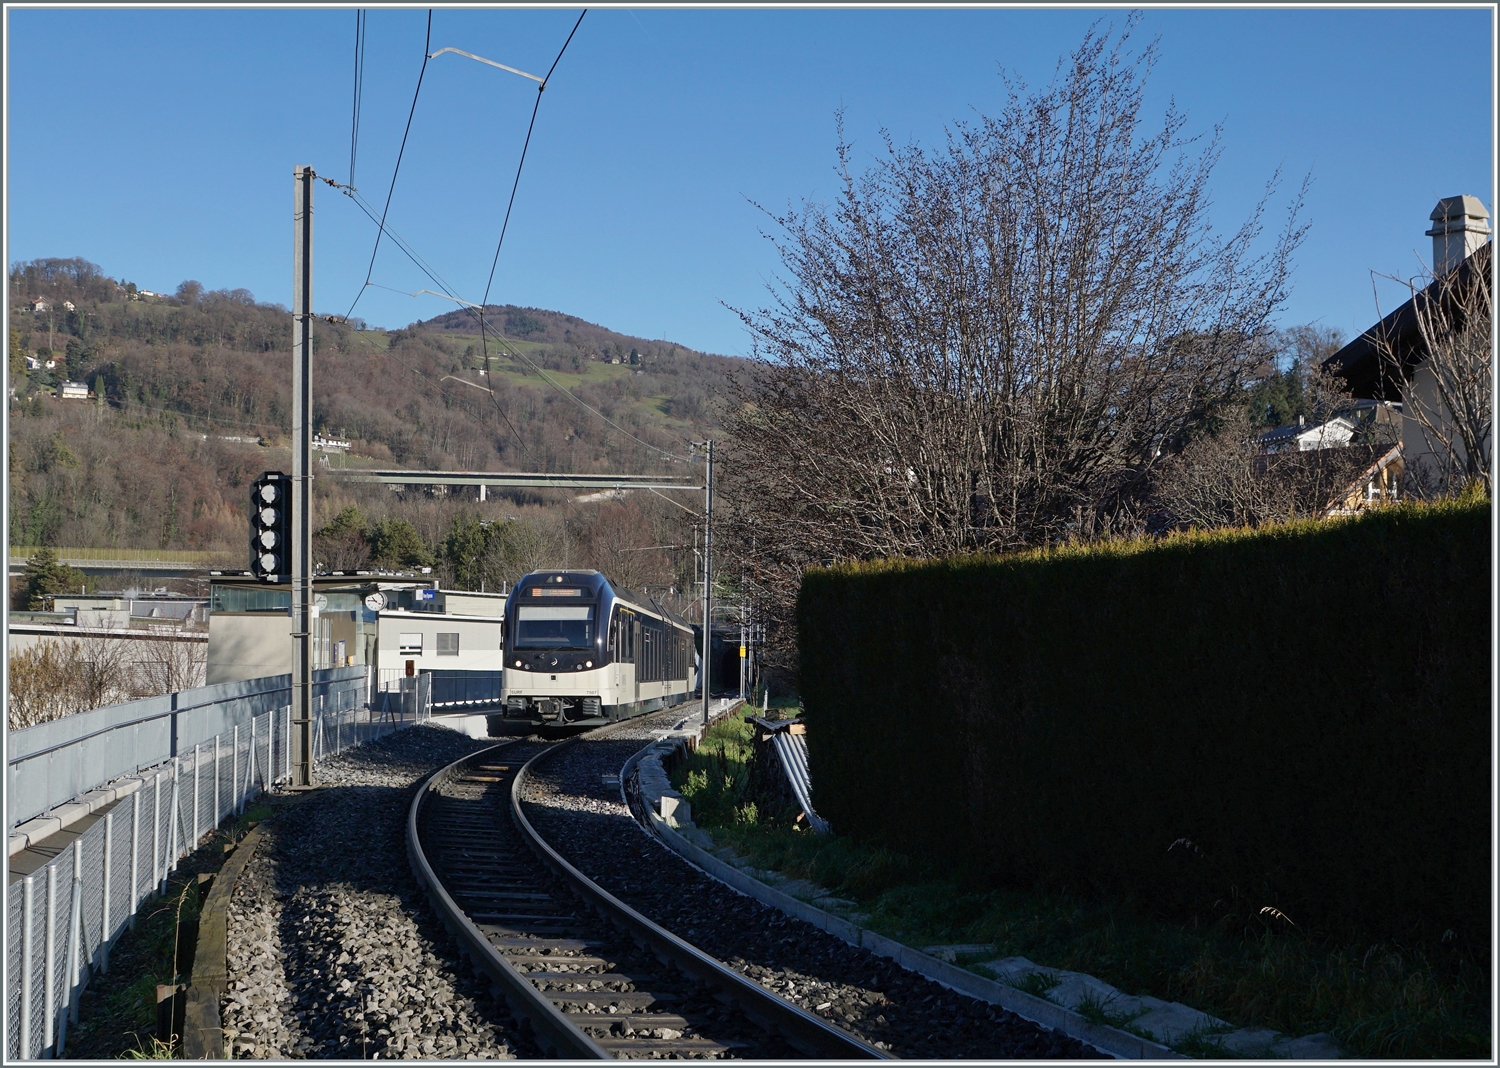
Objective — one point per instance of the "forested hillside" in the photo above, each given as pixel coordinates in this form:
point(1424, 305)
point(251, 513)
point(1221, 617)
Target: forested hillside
point(190, 398)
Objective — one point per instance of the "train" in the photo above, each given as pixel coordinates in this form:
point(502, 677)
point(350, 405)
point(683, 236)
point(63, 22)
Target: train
point(580, 651)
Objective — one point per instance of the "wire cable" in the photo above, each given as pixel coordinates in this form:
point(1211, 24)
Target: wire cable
point(427, 44)
point(540, 89)
point(360, 17)
point(478, 317)
point(518, 354)
point(444, 390)
point(404, 246)
point(422, 265)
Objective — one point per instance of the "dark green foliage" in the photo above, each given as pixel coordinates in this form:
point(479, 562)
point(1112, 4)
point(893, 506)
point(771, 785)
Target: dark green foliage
point(1296, 717)
point(716, 776)
point(45, 576)
point(349, 523)
point(395, 543)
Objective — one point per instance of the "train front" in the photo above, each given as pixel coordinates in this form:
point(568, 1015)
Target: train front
point(555, 657)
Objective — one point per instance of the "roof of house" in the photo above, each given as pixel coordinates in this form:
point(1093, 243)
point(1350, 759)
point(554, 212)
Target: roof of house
point(1360, 364)
point(1381, 458)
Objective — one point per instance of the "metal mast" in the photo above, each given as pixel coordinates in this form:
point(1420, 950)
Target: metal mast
point(302, 319)
point(708, 576)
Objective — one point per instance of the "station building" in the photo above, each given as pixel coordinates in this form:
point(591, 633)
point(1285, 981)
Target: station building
point(396, 623)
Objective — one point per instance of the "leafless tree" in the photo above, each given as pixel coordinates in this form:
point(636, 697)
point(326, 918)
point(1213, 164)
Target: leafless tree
point(989, 344)
point(1222, 479)
point(168, 663)
point(102, 663)
point(41, 685)
point(1449, 393)
point(343, 551)
point(62, 676)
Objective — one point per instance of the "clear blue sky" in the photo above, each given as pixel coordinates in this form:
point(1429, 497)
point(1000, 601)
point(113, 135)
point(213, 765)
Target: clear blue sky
point(160, 143)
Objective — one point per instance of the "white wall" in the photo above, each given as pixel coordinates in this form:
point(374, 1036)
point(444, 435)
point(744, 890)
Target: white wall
point(474, 604)
point(1419, 448)
point(479, 646)
point(248, 646)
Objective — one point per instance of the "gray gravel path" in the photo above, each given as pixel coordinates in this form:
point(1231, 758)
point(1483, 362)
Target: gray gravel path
point(571, 803)
point(333, 950)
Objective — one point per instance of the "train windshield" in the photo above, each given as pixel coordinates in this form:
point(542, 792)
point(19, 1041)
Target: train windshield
point(548, 626)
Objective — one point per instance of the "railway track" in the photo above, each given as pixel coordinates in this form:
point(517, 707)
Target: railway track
point(594, 978)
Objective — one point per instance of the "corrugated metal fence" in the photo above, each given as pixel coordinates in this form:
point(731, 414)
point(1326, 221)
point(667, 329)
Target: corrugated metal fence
point(62, 919)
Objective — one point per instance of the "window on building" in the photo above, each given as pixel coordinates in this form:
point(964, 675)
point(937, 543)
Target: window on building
point(411, 644)
point(447, 645)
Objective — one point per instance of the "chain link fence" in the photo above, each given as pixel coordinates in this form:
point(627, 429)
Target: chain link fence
point(62, 919)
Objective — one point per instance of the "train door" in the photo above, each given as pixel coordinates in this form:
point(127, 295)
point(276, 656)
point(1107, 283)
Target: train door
point(617, 651)
point(636, 646)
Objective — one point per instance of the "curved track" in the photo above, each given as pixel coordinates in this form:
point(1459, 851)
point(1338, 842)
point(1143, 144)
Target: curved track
point(594, 977)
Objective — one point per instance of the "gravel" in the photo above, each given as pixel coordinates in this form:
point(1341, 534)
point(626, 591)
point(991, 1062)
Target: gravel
point(874, 997)
point(333, 949)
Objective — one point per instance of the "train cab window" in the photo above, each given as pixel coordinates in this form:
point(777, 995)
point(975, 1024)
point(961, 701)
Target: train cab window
point(554, 626)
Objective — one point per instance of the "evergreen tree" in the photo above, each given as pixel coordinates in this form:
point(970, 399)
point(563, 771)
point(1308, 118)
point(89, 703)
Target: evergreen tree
point(45, 576)
point(395, 543)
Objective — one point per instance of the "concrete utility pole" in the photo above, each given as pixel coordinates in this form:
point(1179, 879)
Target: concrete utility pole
point(744, 635)
point(302, 320)
point(708, 575)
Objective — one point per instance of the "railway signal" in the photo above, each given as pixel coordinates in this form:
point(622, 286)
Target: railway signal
point(271, 527)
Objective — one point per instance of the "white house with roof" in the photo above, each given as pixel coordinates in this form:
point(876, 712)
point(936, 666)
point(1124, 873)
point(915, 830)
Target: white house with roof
point(1389, 361)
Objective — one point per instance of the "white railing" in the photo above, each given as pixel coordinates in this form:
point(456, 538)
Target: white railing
point(62, 918)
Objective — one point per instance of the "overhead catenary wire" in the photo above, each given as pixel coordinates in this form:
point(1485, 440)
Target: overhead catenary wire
point(540, 89)
point(360, 16)
point(441, 389)
point(382, 229)
point(518, 354)
point(427, 44)
point(422, 265)
point(516, 184)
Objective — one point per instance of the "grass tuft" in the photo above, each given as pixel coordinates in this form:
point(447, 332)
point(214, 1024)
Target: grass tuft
point(1253, 969)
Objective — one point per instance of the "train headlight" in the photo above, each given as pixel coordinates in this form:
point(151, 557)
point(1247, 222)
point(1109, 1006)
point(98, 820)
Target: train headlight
point(518, 663)
point(588, 663)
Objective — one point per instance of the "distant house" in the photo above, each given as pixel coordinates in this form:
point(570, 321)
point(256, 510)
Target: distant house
point(1388, 361)
point(39, 305)
point(73, 391)
point(32, 363)
point(1299, 437)
point(1364, 422)
point(1378, 483)
point(51, 364)
point(68, 304)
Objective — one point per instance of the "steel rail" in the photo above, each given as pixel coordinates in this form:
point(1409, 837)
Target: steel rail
point(806, 1032)
point(552, 1028)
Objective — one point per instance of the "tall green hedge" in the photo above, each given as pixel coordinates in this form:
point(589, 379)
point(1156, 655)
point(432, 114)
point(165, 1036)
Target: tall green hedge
point(1297, 716)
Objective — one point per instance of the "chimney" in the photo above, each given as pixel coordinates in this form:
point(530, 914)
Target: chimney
point(1459, 226)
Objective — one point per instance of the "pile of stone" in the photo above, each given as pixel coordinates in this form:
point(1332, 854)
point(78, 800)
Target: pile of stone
point(333, 950)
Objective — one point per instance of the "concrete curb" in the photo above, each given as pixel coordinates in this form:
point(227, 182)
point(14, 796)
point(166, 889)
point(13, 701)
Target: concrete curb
point(40, 828)
point(203, 1027)
point(1110, 1040)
